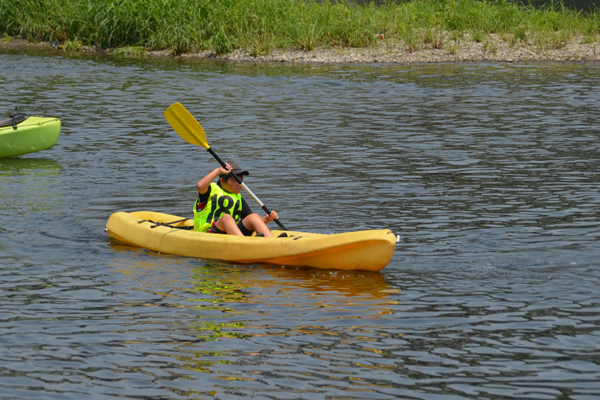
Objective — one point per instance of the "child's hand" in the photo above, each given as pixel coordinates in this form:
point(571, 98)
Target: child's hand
point(271, 217)
point(225, 170)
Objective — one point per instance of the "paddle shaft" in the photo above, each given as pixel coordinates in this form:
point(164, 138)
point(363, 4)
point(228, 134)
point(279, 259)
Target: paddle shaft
point(260, 203)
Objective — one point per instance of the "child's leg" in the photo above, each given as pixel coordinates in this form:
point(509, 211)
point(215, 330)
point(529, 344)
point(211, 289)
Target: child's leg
point(254, 222)
point(227, 224)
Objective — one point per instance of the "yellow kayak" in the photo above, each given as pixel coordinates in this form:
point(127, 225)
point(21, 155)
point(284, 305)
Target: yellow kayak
point(363, 250)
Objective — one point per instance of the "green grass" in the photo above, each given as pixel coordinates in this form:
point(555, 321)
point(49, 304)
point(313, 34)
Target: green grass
point(263, 25)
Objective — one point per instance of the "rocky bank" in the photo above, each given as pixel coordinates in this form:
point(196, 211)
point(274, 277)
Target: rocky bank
point(491, 49)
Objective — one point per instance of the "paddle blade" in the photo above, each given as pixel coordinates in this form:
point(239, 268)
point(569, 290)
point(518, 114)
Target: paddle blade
point(186, 125)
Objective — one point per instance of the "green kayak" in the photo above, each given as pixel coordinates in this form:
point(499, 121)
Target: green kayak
point(21, 135)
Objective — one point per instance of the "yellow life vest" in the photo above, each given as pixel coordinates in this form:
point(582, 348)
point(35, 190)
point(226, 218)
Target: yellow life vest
point(220, 202)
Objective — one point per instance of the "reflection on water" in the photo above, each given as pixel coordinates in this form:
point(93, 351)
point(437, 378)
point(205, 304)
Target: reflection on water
point(223, 292)
point(489, 172)
point(16, 173)
point(233, 312)
point(18, 165)
point(33, 184)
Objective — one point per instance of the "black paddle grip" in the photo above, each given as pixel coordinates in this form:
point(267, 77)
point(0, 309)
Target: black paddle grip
point(212, 153)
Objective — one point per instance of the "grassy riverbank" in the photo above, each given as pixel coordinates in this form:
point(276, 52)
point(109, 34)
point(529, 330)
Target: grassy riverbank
point(261, 26)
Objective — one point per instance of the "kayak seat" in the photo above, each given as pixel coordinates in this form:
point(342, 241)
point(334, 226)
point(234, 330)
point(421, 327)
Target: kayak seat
point(13, 119)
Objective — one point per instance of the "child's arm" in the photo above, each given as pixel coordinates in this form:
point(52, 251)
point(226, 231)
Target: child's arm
point(204, 183)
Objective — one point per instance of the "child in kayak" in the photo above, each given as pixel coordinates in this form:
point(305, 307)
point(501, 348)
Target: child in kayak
point(221, 209)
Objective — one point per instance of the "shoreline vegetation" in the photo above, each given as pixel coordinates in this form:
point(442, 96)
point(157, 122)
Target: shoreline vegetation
point(418, 31)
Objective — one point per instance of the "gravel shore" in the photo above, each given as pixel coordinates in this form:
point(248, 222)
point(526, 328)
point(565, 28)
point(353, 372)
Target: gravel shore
point(491, 49)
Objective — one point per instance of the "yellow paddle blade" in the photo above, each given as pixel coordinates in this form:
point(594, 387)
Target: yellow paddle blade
point(186, 125)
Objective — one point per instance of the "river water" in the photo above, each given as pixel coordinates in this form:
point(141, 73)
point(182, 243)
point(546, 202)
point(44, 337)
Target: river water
point(490, 172)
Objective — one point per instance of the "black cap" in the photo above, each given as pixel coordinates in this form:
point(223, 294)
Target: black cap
point(236, 169)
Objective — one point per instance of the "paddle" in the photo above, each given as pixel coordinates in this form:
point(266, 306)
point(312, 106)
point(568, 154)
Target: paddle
point(192, 132)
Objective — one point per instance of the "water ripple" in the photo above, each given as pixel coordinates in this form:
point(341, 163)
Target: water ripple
point(489, 172)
